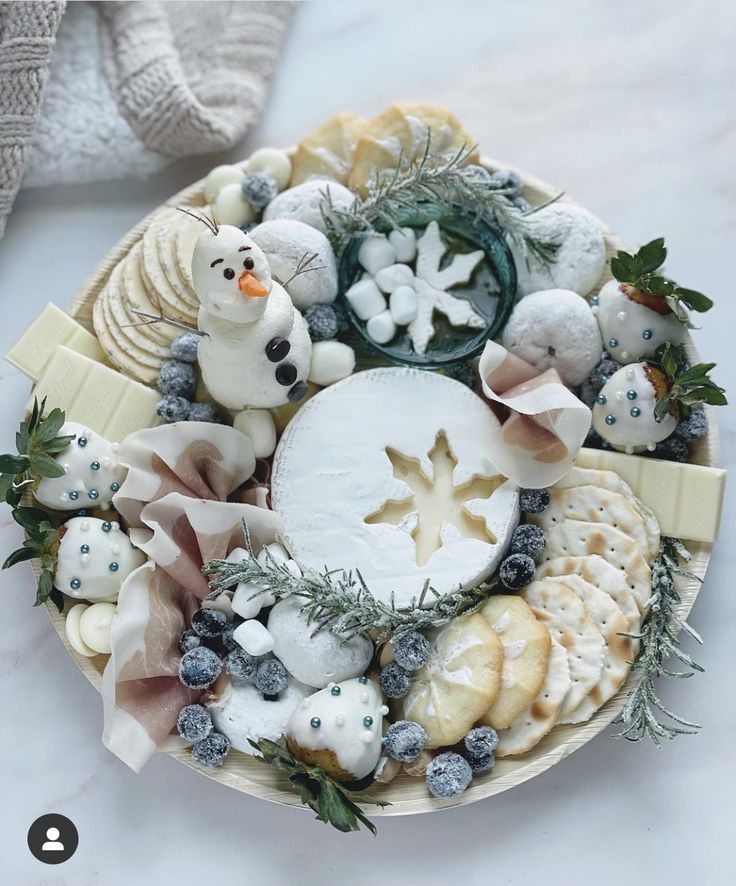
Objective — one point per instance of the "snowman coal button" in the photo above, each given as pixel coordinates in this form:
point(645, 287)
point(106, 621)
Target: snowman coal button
point(286, 374)
point(298, 391)
point(277, 349)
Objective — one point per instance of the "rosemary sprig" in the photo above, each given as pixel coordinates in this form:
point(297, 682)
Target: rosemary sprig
point(413, 188)
point(340, 601)
point(333, 802)
point(641, 715)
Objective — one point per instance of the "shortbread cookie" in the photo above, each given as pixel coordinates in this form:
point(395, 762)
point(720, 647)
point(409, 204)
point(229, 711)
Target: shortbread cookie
point(530, 727)
point(595, 505)
point(613, 626)
point(570, 623)
point(526, 646)
point(610, 480)
point(578, 539)
point(459, 682)
point(137, 298)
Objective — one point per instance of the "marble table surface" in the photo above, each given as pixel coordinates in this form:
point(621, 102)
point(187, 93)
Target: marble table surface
point(628, 106)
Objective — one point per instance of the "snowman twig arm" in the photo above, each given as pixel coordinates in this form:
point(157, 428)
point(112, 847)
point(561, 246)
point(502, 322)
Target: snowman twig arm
point(303, 267)
point(152, 319)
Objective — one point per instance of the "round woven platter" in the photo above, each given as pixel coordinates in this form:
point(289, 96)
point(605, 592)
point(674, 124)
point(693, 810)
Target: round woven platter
point(407, 796)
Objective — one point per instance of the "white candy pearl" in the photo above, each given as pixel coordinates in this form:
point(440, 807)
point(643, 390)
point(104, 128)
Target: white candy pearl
point(366, 299)
point(331, 361)
point(376, 253)
point(231, 207)
point(95, 625)
point(391, 278)
point(254, 638)
point(273, 162)
point(404, 241)
point(218, 178)
point(403, 305)
point(258, 426)
point(381, 328)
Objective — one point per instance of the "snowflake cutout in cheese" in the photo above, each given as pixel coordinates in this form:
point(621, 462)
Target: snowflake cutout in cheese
point(435, 501)
point(432, 285)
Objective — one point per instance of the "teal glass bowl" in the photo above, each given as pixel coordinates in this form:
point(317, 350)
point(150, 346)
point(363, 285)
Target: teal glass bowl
point(491, 291)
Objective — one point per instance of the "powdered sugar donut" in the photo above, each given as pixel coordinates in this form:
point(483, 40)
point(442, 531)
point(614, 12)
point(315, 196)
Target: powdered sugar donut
point(555, 329)
point(241, 713)
point(314, 659)
point(303, 202)
point(580, 256)
point(285, 242)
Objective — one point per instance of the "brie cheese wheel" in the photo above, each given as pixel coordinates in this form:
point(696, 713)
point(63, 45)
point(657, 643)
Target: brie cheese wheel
point(387, 473)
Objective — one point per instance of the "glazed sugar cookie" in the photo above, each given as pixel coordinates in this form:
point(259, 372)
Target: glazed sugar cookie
point(459, 682)
point(578, 539)
point(530, 727)
point(526, 645)
point(387, 472)
point(617, 657)
point(570, 624)
point(595, 505)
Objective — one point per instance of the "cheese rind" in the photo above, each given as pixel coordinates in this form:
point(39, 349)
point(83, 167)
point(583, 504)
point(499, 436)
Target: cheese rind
point(33, 350)
point(686, 499)
point(95, 395)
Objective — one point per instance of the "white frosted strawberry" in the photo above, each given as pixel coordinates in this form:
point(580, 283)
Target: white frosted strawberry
point(639, 310)
point(640, 404)
point(91, 475)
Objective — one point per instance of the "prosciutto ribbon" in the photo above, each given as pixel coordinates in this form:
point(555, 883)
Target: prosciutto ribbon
point(541, 423)
point(141, 691)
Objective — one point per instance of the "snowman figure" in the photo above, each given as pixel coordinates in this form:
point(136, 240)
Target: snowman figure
point(255, 352)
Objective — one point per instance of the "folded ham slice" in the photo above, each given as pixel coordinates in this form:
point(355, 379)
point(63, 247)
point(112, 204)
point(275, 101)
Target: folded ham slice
point(198, 459)
point(541, 424)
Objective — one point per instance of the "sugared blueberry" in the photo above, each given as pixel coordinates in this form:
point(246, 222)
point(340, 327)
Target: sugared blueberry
point(271, 677)
point(259, 189)
point(516, 571)
point(240, 665)
point(172, 409)
point(204, 412)
point(405, 740)
point(189, 640)
point(199, 668)
point(448, 775)
point(211, 751)
point(533, 501)
point(322, 322)
point(693, 427)
point(177, 379)
point(528, 539)
point(194, 722)
point(671, 449)
point(602, 372)
point(394, 680)
point(481, 741)
point(411, 651)
point(209, 623)
point(184, 347)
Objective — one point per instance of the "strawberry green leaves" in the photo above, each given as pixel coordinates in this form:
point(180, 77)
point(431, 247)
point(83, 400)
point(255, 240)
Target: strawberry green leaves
point(332, 802)
point(37, 441)
point(639, 270)
point(42, 544)
point(687, 386)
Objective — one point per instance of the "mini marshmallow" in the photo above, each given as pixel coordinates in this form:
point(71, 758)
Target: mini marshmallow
point(231, 207)
point(220, 176)
point(223, 603)
point(390, 278)
point(331, 361)
point(404, 241)
point(247, 602)
point(278, 553)
point(306, 201)
point(403, 305)
point(253, 637)
point(376, 253)
point(555, 329)
point(273, 162)
point(95, 626)
point(258, 426)
point(381, 328)
point(366, 299)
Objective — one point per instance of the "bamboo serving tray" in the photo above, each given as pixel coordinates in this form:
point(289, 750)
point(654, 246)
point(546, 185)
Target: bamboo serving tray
point(407, 796)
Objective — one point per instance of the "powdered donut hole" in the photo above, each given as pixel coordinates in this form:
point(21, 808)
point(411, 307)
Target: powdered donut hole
point(555, 329)
point(303, 203)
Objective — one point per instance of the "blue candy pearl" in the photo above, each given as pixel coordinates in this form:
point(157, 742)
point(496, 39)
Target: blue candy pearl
point(594, 301)
point(601, 398)
point(75, 584)
point(114, 487)
point(93, 494)
point(82, 441)
point(612, 342)
point(95, 465)
point(315, 722)
point(106, 526)
point(646, 334)
point(84, 549)
point(113, 567)
point(363, 680)
point(610, 419)
point(635, 412)
point(335, 690)
point(367, 721)
point(631, 395)
point(74, 495)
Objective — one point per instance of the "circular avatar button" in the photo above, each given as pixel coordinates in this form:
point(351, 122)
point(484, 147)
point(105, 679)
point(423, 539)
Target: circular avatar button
point(52, 838)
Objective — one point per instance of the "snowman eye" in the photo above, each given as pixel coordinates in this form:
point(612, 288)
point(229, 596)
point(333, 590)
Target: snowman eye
point(228, 273)
point(249, 264)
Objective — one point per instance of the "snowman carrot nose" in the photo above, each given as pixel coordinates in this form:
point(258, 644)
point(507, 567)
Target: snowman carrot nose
point(251, 285)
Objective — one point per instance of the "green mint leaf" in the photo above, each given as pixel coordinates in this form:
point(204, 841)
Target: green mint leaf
point(43, 465)
point(710, 394)
point(36, 412)
point(695, 300)
point(625, 267)
point(652, 255)
point(13, 464)
point(19, 556)
point(697, 372)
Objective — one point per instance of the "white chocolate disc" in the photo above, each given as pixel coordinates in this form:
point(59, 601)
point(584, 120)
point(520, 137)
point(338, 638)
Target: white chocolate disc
point(94, 626)
point(356, 488)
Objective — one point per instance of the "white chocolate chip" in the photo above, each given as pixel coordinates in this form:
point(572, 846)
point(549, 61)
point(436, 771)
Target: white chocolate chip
point(95, 625)
point(331, 361)
point(231, 207)
point(273, 162)
point(71, 626)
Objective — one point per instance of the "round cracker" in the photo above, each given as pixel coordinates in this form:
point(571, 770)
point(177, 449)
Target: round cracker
point(130, 327)
point(530, 727)
point(526, 646)
point(155, 278)
point(579, 539)
point(117, 356)
point(136, 297)
point(570, 623)
point(185, 238)
point(165, 234)
point(613, 626)
point(124, 342)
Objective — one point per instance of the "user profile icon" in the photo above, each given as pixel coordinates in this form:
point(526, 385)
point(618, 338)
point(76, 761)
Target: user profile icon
point(53, 838)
